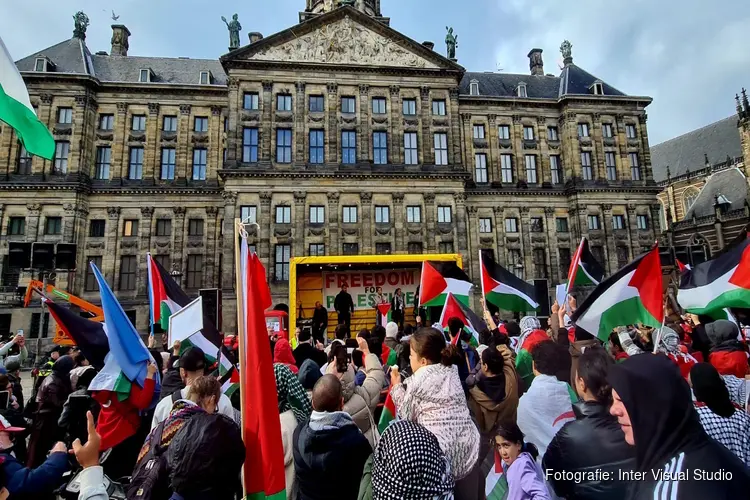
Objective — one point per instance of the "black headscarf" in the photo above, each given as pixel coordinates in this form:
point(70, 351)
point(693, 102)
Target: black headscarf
point(660, 407)
point(723, 336)
point(710, 388)
point(63, 365)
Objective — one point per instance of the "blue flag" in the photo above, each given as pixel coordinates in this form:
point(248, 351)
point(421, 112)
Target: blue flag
point(125, 343)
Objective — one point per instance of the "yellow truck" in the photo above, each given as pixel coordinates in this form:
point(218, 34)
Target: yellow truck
point(319, 279)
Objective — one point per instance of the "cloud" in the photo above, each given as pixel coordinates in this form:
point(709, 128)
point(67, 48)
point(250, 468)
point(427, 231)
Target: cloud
point(690, 56)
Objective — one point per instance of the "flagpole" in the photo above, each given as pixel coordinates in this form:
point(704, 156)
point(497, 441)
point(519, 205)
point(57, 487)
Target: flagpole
point(239, 293)
point(481, 281)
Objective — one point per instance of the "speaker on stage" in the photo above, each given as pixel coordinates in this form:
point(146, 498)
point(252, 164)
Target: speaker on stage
point(212, 305)
point(19, 255)
point(541, 289)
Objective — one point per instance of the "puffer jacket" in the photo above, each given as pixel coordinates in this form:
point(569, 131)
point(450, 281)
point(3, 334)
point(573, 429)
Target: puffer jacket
point(594, 440)
point(487, 410)
point(433, 397)
point(360, 402)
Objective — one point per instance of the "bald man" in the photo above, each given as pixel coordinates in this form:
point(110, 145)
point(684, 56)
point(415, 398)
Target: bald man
point(329, 450)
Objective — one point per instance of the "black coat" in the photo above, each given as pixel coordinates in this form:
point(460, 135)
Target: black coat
point(320, 317)
point(329, 463)
point(305, 351)
point(17, 391)
point(343, 303)
point(593, 441)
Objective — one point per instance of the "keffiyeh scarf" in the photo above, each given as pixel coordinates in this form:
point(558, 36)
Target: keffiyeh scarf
point(408, 464)
point(291, 395)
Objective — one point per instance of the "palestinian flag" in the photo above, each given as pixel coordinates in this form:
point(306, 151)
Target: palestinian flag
point(504, 289)
point(496, 483)
point(166, 298)
point(88, 335)
point(719, 283)
point(631, 295)
point(388, 415)
point(16, 109)
point(473, 324)
point(584, 269)
point(229, 376)
point(682, 267)
point(439, 278)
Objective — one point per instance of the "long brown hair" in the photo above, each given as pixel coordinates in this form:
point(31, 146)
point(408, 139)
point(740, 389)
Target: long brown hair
point(429, 343)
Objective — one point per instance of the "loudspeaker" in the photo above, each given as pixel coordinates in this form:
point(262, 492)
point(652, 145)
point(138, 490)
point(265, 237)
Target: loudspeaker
point(42, 256)
point(65, 258)
point(542, 296)
point(19, 255)
point(212, 305)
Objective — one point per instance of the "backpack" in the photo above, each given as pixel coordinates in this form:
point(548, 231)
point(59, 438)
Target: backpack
point(150, 479)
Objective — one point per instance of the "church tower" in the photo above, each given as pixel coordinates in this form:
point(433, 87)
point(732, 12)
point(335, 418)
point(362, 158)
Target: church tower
point(316, 7)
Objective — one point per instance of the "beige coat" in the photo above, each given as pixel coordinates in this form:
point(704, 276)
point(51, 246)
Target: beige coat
point(288, 425)
point(360, 402)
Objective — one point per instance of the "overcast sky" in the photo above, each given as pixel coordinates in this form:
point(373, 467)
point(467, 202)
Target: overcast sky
point(691, 56)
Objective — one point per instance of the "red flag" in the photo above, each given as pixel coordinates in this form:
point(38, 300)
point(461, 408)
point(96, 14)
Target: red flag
point(452, 309)
point(261, 428)
point(682, 267)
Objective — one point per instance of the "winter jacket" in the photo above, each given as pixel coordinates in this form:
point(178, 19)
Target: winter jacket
point(669, 436)
point(487, 409)
point(205, 458)
point(434, 398)
point(593, 441)
point(576, 349)
point(329, 456)
point(17, 391)
point(360, 402)
point(118, 420)
point(343, 303)
point(525, 480)
point(729, 362)
point(288, 426)
point(543, 410)
point(23, 482)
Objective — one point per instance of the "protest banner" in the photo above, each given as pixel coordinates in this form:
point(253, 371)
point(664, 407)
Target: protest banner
point(362, 286)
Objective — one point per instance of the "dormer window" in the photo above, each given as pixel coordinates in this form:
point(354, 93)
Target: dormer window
point(597, 88)
point(40, 64)
point(474, 87)
point(145, 76)
point(521, 90)
point(205, 78)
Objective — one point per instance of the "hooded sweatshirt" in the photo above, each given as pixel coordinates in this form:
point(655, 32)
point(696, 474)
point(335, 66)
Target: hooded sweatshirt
point(669, 437)
point(727, 354)
point(495, 399)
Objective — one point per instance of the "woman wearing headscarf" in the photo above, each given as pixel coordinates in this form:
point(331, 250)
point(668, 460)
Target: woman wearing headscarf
point(434, 398)
point(52, 395)
point(669, 345)
point(282, 353)
point(531, 336)
point(727, 354)
point(720, 418)
point(407, 464)
point(654, 408)
point(294, 409)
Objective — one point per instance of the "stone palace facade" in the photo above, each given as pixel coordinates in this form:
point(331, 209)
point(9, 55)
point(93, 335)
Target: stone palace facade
point(339, 135)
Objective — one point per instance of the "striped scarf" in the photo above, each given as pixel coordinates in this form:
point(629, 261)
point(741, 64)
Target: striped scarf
point(181, 412)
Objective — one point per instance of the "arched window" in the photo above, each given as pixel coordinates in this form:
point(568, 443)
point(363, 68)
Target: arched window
point(688, 198)
point(699, 249)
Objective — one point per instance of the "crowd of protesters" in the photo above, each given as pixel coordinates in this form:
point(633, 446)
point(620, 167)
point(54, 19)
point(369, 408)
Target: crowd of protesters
point(652, 413)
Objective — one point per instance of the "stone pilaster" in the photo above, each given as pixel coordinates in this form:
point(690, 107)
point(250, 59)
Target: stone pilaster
point(553, 269)
point(430, 215)
point(461, 230)
point(33, 212)
point(526, 253)
point(69, 222)
point(266, 136)
point(111, 256)
point(396, 132)
point(179, 239)
point(184, 158)
point(597, 148)
point(265, 219)
point(500, 234)
point(425, 142)
point(493, 161)
point(333, 224)
point(398, 226)
point(300, 138)
point(212, 238)
point(366, 202)
point(543, 172)
point(518, 153)
point(454, 134)
point(654, 220)
point(299, 218)
point(645, 152)
point(332, 106)
point(79, 236)
point(46, 116)
point(473, 237)
point(119, 143)
point(632, 231)
point(145, 232)
point(151, 152)
point(215, 156)
point(610, 252)
point(234, 139)
point(227, 247)
point(365, 131)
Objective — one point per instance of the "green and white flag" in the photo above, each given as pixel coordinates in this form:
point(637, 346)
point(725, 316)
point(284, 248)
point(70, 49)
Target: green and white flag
point(16, 109)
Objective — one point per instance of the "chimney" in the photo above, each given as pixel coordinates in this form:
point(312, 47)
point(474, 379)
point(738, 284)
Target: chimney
point(536, 65)
point(255, 36)
point(429, 45)
point(120, 36)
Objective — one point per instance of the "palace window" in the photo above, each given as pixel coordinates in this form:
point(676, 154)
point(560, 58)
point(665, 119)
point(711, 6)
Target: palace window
point(635, 166)
point(128, 268)
point(348, 147)
point(583, 130)
point(609, 162)
point(594, 222)
point(248, 214)
point(441, 148)
point(503, 132)
point(135, 168)
point(349, 214)
point(445, 215)
point(317, 146)
point(411, 155)
point(438, 107)
point(283, 102)
point(506, 168)
point(350, 249)
point(528, 133)
point(348, 104)
point(317, 214)
point(586, 170)
point(531, 176)
point(103, 162)
point(194, 273)
point(250, 100)
point(316, 250)
point(317, 104)
point(641, 222)
point(199, 164)
point(195, 227)
point(53, 225)
point(536, 225)
point(64, 116)
point(23, 167)
point(378, 105)
point(618, 222)
point(380, 147)
point(630, 132)
point(283, 214)
point(480, 168)
point(552, 134)
point(106, 122)
point(169, 124)
point(284, 145)
point(62, 150)
point(168, 162)
point(138, 123)
point(607, 130)
point(478, 131)
point(410, 107)
point(414, 214)
point(130, 227)
point(163, 227)
point(281, 268)
point(200, 124)
point(17, 226)
point(382, 214)
point(561, 224)
point(555, 169)
point(511, 225)
point(485, 225)
point(249, 145)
